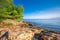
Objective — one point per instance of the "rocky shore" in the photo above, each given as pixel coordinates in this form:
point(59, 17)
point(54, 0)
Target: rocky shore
point(26, 31)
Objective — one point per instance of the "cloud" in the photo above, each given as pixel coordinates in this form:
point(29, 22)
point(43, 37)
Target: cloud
point(45, 14)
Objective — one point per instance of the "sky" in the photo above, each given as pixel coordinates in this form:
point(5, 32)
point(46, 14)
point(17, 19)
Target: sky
point(40, 9)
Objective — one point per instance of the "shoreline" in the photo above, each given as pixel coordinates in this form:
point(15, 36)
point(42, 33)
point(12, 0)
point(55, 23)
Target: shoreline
point(28, 31)
point(42, 27)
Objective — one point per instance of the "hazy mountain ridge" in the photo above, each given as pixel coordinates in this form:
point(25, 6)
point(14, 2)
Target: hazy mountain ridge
point(57, 18)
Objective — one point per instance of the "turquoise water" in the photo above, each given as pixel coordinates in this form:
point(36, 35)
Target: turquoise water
point(47, 24)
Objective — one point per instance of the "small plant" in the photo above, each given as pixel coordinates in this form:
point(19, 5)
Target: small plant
point(9, 24)
point(1, 20)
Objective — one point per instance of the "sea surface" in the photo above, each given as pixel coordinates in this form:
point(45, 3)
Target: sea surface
point(53, 25)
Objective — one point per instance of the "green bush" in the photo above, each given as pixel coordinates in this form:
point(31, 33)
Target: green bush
point(1, 19)
point(10, 11)
point(8, 24)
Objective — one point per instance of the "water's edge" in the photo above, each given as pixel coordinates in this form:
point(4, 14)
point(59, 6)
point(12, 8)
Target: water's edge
point(53, 25)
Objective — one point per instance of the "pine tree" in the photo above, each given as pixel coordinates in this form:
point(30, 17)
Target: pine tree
point(9, 11)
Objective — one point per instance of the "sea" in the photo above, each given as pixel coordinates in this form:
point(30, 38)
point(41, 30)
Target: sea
point(48, 24)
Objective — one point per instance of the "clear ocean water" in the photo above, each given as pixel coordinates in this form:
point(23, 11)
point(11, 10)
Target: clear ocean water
point(47, 24)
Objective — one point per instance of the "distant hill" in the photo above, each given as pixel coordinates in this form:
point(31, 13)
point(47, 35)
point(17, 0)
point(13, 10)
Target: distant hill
point(57, 18)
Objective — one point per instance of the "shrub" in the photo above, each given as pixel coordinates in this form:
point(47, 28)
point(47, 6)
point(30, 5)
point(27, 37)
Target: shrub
point(8, 24)
point(10, 11)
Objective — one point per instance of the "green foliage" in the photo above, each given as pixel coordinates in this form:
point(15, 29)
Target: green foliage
point(8, 24)
point(1, 19)
point(9, 11)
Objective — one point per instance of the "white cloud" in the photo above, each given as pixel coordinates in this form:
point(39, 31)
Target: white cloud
point(45, 14)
